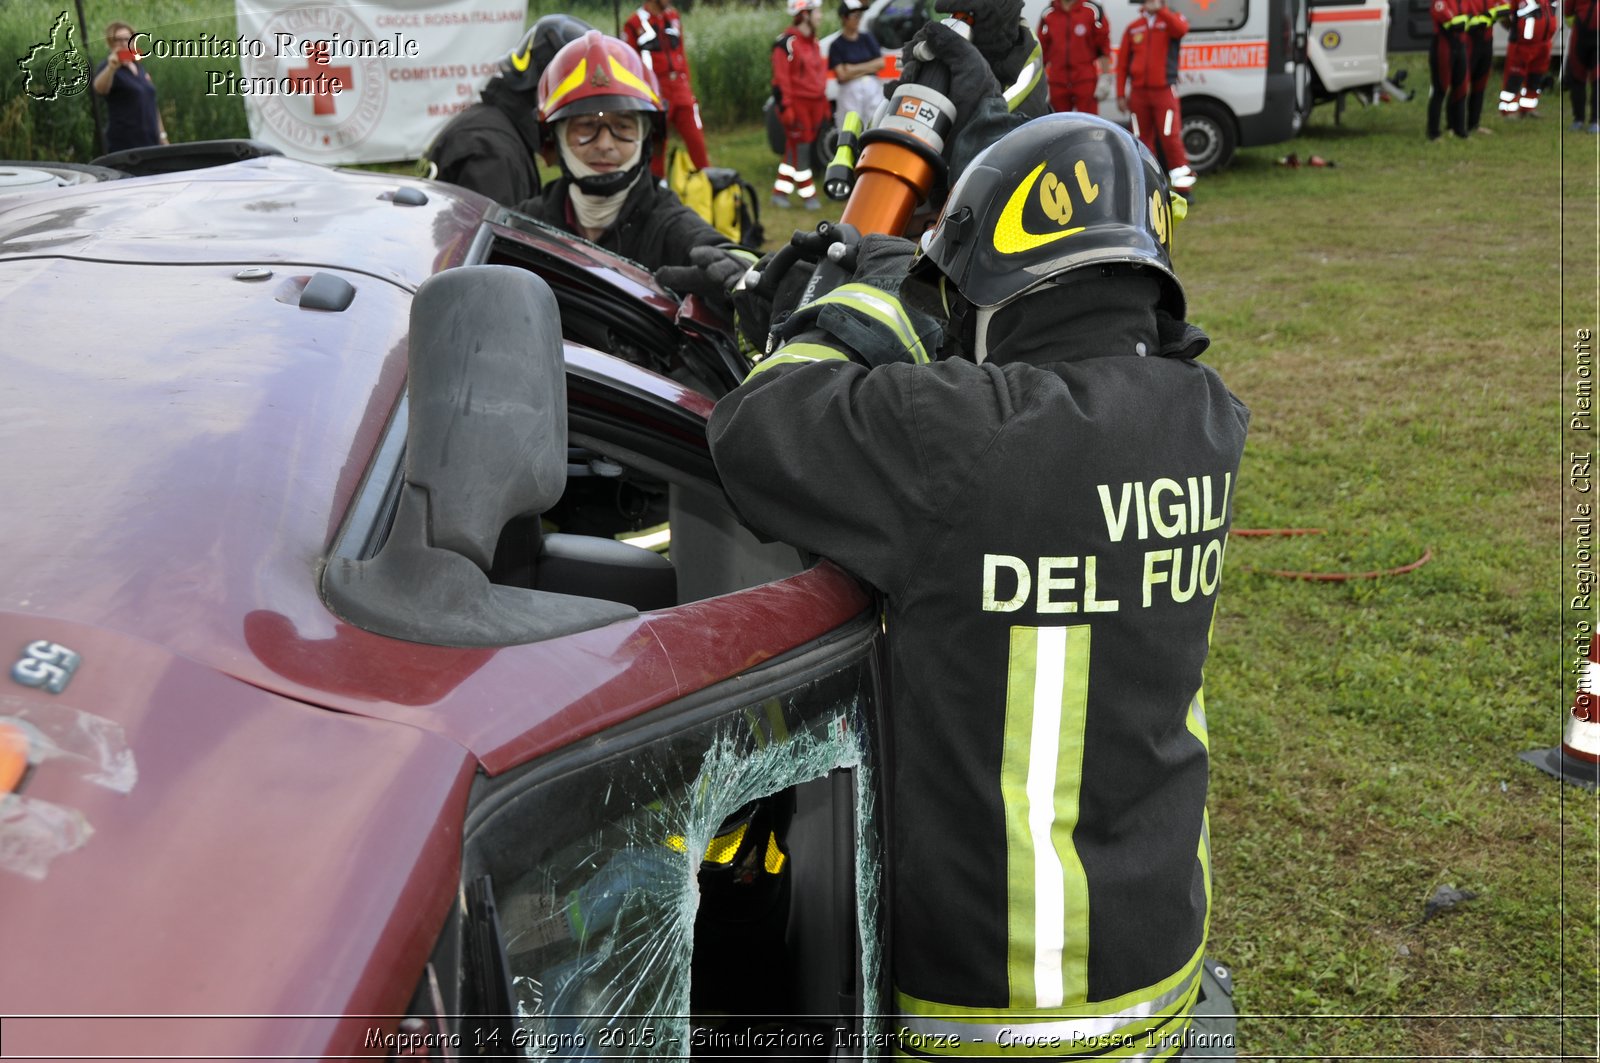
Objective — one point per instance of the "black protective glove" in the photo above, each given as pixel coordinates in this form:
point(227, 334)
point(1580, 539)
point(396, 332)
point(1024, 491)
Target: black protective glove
point(971, 79)
point(711, 275)
point(996, 24)
point(880, 260)
point(865, 316)
point(780, 279)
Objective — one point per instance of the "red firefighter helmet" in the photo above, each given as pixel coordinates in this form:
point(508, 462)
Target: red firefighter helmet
point(595, 74)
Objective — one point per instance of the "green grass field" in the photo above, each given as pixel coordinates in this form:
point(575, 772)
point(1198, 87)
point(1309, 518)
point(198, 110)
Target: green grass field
point(1400, 325)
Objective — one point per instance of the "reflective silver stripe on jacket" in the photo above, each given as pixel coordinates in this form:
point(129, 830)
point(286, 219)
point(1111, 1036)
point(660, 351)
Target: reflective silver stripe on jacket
point(1032, 70)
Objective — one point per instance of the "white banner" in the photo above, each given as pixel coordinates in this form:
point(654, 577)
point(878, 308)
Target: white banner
point(339, 81)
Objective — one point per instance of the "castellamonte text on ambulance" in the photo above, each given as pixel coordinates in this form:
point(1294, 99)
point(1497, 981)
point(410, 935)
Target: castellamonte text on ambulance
point(1160, 510)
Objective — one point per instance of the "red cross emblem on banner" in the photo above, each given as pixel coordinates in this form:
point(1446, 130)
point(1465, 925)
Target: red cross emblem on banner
point(334, 78)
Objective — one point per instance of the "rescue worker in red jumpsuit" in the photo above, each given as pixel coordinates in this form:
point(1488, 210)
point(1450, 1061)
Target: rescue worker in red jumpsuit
point(1581, 75)
point(1533, 32)
point(1032, 511)
point(800, 91)
point(1077, 53)
point(656, 31)
point(1447, 68)
point(1147, 70)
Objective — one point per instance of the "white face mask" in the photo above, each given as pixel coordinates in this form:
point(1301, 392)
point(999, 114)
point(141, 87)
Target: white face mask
point(595, 212)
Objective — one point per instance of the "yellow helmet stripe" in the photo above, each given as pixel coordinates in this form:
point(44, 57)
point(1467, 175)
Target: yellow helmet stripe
point(627, 77)
point(573, 80)
point(1010, 236)
point(521, 60)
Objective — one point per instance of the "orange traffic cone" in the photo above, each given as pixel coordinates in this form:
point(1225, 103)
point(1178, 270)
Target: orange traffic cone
point(1577, 759)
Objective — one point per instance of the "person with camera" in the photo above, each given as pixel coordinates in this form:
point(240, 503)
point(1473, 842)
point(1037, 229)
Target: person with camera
point(1041, 492)
point(133, 116)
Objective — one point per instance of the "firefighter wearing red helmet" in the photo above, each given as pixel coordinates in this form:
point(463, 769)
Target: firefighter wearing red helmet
point(1045, 515)
point(599, 107)
point(656, 31)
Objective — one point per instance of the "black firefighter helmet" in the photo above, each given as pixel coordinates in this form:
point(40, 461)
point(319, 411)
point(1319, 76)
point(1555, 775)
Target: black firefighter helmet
point(1057, 194)
point(521, 68)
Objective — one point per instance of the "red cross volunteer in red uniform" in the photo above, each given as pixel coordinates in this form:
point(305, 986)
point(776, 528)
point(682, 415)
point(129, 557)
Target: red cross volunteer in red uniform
point(800, 91)
point(1077, 52)
point(1533, 33)
point(656, 31)
point(1147, 70)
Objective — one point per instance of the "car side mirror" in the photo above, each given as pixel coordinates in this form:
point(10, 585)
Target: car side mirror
point(487, 437)
point(486, 441)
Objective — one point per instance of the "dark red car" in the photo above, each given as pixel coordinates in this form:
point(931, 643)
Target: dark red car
point(341, 717)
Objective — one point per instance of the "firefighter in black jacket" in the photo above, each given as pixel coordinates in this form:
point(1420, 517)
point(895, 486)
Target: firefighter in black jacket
point(1046, 516)
point(492, 146)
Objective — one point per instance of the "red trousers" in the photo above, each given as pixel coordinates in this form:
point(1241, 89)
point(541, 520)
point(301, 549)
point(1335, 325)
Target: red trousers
point(1158, 121)
point(800, 131)
point(1074, 96)
point(683, 114)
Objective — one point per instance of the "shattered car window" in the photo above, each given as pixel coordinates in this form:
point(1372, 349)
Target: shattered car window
point(712, 888)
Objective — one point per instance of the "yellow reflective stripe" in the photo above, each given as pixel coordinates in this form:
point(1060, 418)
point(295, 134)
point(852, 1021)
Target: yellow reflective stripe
point(881, 307)
point(722, 850)
point(775, 856)
point(1125, 1023)
point(1196, 721)
point(1041, 769)
point(626, 76)
point(573, 80)
point(1032, 71)
point(791, 353)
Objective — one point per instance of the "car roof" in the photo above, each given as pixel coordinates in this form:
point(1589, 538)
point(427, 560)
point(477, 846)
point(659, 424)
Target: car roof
point(264, 211)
